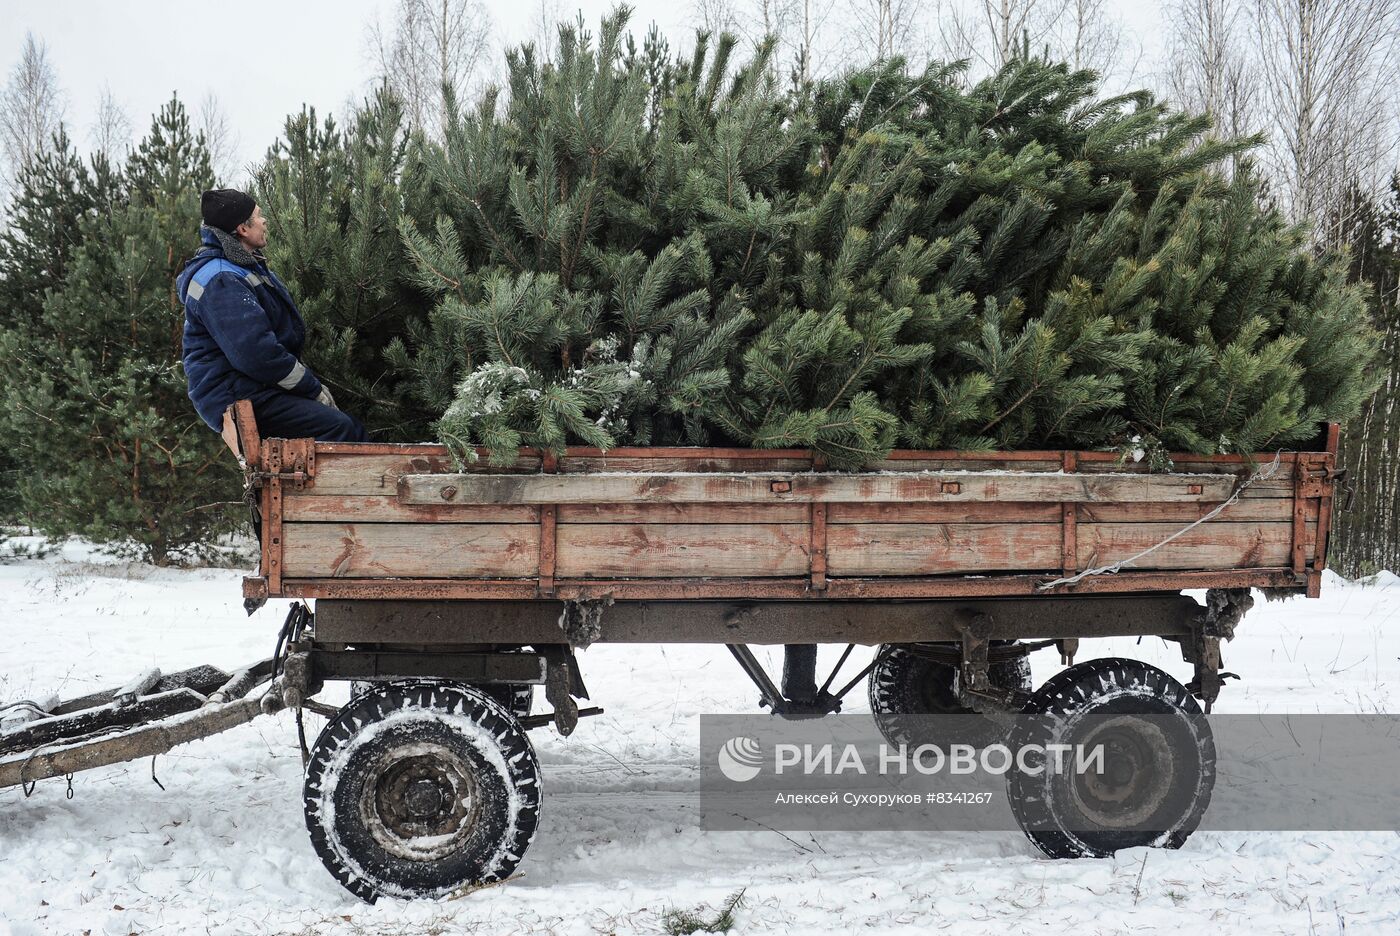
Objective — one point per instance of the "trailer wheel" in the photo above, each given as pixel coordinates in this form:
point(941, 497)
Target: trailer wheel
point(1158, 773)
point(419, 787)
point(906, 683)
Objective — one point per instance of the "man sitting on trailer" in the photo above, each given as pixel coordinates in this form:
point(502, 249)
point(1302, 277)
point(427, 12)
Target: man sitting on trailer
point(244, 335)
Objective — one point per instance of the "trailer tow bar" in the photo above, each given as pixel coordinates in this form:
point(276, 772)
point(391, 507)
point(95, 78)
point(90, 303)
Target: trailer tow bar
point(146, 717)
point(150, 714)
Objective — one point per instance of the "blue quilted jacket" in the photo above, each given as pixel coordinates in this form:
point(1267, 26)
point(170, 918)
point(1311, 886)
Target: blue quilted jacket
point(243, 333)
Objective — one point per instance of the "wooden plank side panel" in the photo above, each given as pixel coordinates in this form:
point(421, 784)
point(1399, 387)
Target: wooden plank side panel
point(918, 461)
point(352, 523)
point(939, 549)
point(693, 463)
point(1101, 462)
point(658, 550)
point(411, 550)
point(314, 550)
point(979, 512)
point(1268, 509)
point(797, 589)
point(1278, 483)
point(624, 488)
point(311, 506)
point(946, 549)
point(379, 473)
point(1271, 509)
point(1209, 546)
point(679, 513)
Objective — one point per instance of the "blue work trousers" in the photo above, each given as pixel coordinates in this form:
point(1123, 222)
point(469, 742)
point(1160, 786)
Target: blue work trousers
point(287, 416)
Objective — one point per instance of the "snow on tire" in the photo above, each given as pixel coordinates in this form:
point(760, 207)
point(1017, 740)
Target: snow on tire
point(518, 698)
point(419, 787)
point(1159, 770)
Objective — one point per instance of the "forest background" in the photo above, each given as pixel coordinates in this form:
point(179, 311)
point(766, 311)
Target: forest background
point(101, 442)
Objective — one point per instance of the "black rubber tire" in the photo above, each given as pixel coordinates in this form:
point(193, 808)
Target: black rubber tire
point(516, 698)
point(905, 683)
point(1177, 744)
point(391, 744)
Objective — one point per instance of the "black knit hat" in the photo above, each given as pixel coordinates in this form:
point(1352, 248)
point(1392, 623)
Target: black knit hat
point(226, 208)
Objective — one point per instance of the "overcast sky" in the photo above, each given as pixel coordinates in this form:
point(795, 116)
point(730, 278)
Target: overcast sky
point(265, 58)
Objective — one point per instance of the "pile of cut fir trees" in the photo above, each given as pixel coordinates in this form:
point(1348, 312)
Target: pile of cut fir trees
point(640, 250)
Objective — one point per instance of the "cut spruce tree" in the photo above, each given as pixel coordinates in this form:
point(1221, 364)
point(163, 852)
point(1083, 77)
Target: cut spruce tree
point(635, 249)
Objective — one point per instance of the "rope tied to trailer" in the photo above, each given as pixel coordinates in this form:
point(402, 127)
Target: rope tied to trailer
point(1260, 474)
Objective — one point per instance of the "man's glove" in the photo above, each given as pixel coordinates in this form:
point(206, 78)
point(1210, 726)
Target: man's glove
point(325, 398)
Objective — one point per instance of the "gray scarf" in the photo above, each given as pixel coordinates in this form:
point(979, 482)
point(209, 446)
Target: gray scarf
point(234, 251)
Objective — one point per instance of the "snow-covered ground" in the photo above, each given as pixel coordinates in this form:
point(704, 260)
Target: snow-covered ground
point(223, 848)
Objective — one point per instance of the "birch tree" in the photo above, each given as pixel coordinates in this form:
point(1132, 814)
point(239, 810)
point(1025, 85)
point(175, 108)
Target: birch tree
point(544, 25)
point(31, 108)
point(1209, 68)
point(885, 28)
point(220, 139)
point(992, 32)
point(431, 46)
point(1329, 97)
point(800, 27)
point(1086, 34)
point(715, 16)
point(110, 135)
point(813, 53)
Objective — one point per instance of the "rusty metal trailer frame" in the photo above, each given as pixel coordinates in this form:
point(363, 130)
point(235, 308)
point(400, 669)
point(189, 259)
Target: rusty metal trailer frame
point(342, 622)
point(408, 623)
point(415, 626)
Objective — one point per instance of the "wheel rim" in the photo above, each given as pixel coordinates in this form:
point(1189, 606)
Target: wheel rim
point(1137, 777)
point(420, 801)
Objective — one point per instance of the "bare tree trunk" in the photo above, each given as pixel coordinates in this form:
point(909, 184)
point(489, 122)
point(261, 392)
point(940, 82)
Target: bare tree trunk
point(1366, 538)
point(715, 16)
point(545, 26)
point(1086, 36)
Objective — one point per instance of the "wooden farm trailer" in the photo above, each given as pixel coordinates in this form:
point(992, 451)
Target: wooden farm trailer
point(449, 591)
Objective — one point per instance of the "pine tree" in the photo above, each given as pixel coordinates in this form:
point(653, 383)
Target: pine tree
point(334, 200)
point(93, 393)
point(54, 194)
